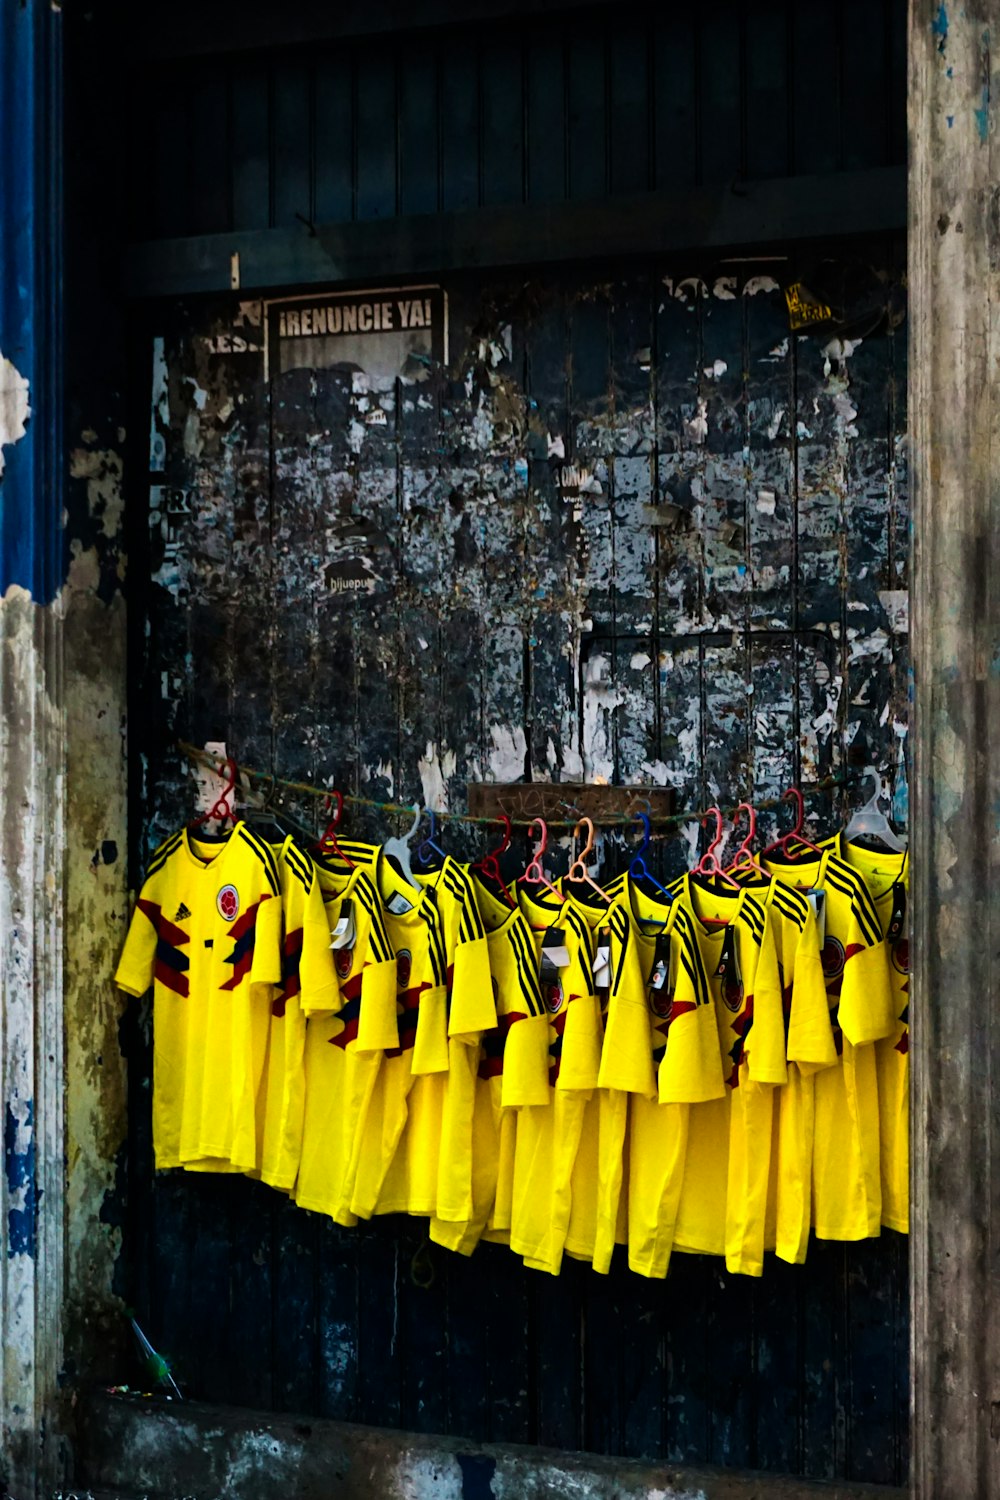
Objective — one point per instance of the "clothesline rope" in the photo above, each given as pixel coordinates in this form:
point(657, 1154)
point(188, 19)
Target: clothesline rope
point(405, 809)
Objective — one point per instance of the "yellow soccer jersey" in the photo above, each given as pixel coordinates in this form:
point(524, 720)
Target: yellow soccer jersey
point(599, 1208)
point(809, 1046)
point(655, 975)
point(723, 1201)
point(846, 1187)
point(548, 1135)
point(418, 1156)
point(343, 1049)
point(887, 876)
point(512, 1070)
point(206, 934)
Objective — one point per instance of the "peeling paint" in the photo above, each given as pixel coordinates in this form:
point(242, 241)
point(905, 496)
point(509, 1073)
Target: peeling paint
point(15, 409)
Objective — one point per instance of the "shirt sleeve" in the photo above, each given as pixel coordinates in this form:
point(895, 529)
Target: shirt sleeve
point(378, 1027)
point(317, 977)
point(765, 1046)
point(580, 1060)
point(810, 1041)
point(627, 1050)
point(866, 1008)
point(526, 1062)
point(265, 970)
point(691, 1069)
point(135, 967)
point(473, 1009)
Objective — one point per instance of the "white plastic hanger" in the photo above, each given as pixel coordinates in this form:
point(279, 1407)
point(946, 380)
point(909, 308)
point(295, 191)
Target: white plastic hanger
point(870, 822)
point(398, 849)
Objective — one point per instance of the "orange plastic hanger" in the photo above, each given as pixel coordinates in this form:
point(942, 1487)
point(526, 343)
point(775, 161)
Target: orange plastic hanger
point(709, 863)
point(578, 869)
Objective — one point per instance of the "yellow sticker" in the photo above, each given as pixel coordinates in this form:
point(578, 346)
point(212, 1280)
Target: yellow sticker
point(803, 309)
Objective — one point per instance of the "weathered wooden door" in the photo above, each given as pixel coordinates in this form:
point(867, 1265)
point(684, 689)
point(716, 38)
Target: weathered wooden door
point(633, 527)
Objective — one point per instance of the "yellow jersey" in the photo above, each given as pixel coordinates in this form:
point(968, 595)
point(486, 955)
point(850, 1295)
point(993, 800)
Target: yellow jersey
point(655, 976)
point(809, 1046)
point(418, 1153)
point(598, 1217)
point(548, 1135)
point(344, 1048)
point(308, 982)
point(206, 935)
point(846, 1186)
point(887, 876)
point(512, 1071)
point(723, 1201)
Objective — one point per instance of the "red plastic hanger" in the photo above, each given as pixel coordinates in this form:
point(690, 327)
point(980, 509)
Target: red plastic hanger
point(221, 810)
point(743, 858)
point(488, 865)
point(328, 843)
point(534, 874)
point(795, 835)
point(578, 869)
point(709, 862)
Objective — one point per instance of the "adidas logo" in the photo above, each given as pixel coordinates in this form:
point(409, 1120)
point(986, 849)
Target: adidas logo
point(181, 913)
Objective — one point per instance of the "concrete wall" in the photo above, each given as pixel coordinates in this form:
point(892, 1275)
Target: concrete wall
point(209, 1453)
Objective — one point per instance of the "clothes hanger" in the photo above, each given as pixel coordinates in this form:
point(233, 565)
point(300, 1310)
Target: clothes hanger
point(795, 835)
point(398, 849)
point(263, 813)
point(637, 869)
point(488, 868)
point(534, 874)
point(709, 864)
point(428, 849)
point(743, 858)
point(577, 872)
point(328, 843)
point(870, 822)
point(221, 810)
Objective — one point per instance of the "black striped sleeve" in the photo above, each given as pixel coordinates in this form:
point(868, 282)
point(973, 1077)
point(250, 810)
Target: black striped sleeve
point(378, 939)
point(163, 853)
point(527, 968)
point(266, 858)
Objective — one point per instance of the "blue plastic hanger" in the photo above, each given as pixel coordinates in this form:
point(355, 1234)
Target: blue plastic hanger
point(637, 869)
point(428, 847)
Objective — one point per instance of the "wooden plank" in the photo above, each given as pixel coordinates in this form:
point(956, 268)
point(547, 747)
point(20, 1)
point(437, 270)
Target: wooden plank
point(630, 107)
point(815, 73)
point(503, 145)
point(334, 184)
point(291, 187)
point(251, 159)
point(298, 1322)
point(559, 1363)
point(954, 1059)
point(865, 87)
point(375, 147)
point(767, 90)
point(545, 64)
point(721, 94)
point(383, 1281)
point(424, 1331)
point(246, 1374)
point(209, 166)
point(193, 31)
point(587, 119)
point(674, 101)
point(338, 1253)
point(460, 128)
point(541, 799)
point(466, 1372)
point(419, 166)
point(789, 209)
